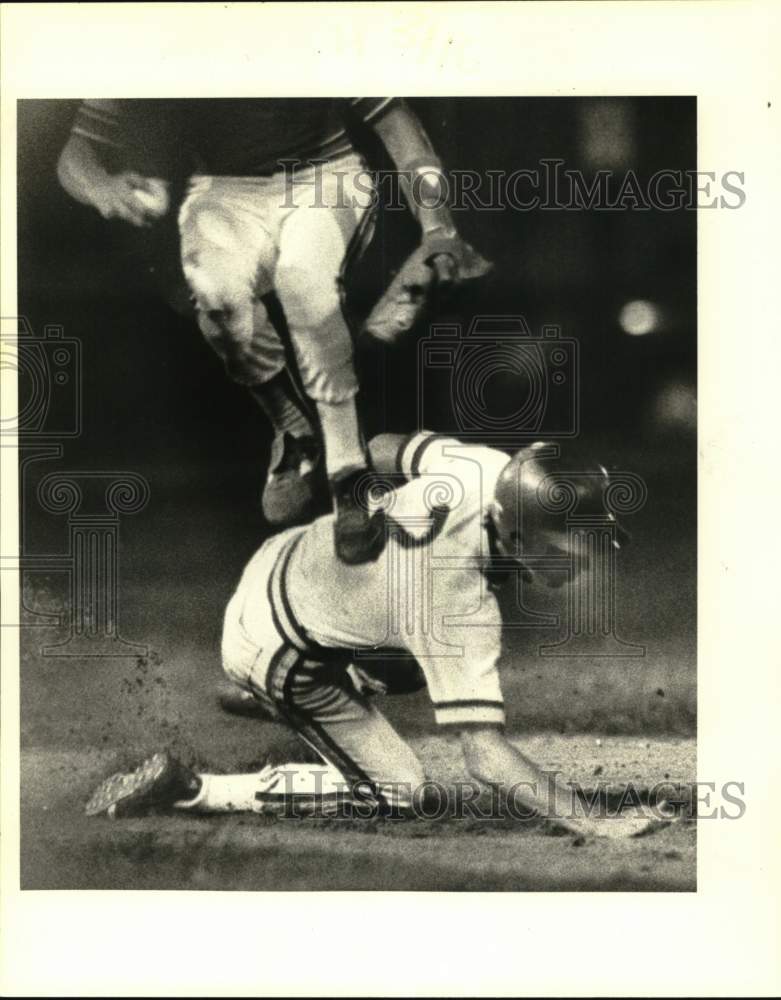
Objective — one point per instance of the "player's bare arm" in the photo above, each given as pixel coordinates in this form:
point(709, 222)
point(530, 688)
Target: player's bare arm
point(126, 195)
point(443, 257)
point(493, 760)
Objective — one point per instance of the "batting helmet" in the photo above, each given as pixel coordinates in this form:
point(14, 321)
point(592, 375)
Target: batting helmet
point(534, 495)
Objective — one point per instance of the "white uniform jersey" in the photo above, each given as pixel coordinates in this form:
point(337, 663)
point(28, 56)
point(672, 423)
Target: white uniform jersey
point(427, 594)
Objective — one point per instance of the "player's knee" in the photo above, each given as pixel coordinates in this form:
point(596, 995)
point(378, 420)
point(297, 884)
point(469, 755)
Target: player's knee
point(219, 269)
point(231, 338)
point(226, 312)
point(218, 287)
point(329, 385)
point(309, 302)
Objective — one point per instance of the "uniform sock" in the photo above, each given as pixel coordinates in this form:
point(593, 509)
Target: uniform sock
point(224, 793)
point(280, 401)
point(341, 433)
point(267, 790)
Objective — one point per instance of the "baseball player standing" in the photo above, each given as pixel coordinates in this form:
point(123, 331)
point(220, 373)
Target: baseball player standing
point(275, 196)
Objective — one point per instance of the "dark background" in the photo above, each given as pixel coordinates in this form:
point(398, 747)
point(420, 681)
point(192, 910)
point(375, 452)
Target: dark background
point(156, 400)
point(153, 387)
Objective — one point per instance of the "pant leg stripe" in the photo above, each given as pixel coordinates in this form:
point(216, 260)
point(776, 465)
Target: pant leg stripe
point(315, 735)
point(277, 611)
point(290, 619)
point(284, 616)
point(262, 696)
point(283, 663)
point(326, 701)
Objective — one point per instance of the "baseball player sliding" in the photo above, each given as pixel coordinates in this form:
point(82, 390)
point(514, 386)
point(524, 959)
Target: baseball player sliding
point(276, 194)
point(303, 630)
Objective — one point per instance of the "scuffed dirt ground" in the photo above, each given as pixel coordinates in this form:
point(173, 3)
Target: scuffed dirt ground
point(83, 718)
point(64, 849)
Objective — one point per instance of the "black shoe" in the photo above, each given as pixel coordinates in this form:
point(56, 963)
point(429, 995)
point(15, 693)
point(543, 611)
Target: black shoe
point(159, 782)
point(237, 700)
point(290, 494)
point(359, 534)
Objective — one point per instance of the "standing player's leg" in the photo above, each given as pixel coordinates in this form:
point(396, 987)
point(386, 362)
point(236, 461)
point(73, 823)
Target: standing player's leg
point(316, 220)
point(228, 257)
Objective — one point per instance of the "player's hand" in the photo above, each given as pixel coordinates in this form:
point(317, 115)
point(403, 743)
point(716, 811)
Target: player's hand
point(623, 827)
point(452, 259)
point(132, 198)
point(442, 261)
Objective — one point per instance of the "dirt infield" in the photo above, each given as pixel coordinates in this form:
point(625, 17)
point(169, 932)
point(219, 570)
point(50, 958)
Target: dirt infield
point(62, 849)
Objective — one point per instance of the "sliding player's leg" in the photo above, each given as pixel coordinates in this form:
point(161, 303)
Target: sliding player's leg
point(363, 757)
point(364, 760)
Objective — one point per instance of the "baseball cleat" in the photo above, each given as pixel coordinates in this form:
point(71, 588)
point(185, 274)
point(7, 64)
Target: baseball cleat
point(160, 781)
point(359, 534)
point(290, 494)
point(236, 700)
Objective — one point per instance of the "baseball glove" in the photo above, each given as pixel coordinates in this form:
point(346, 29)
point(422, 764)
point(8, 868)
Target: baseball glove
point(435, 268)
